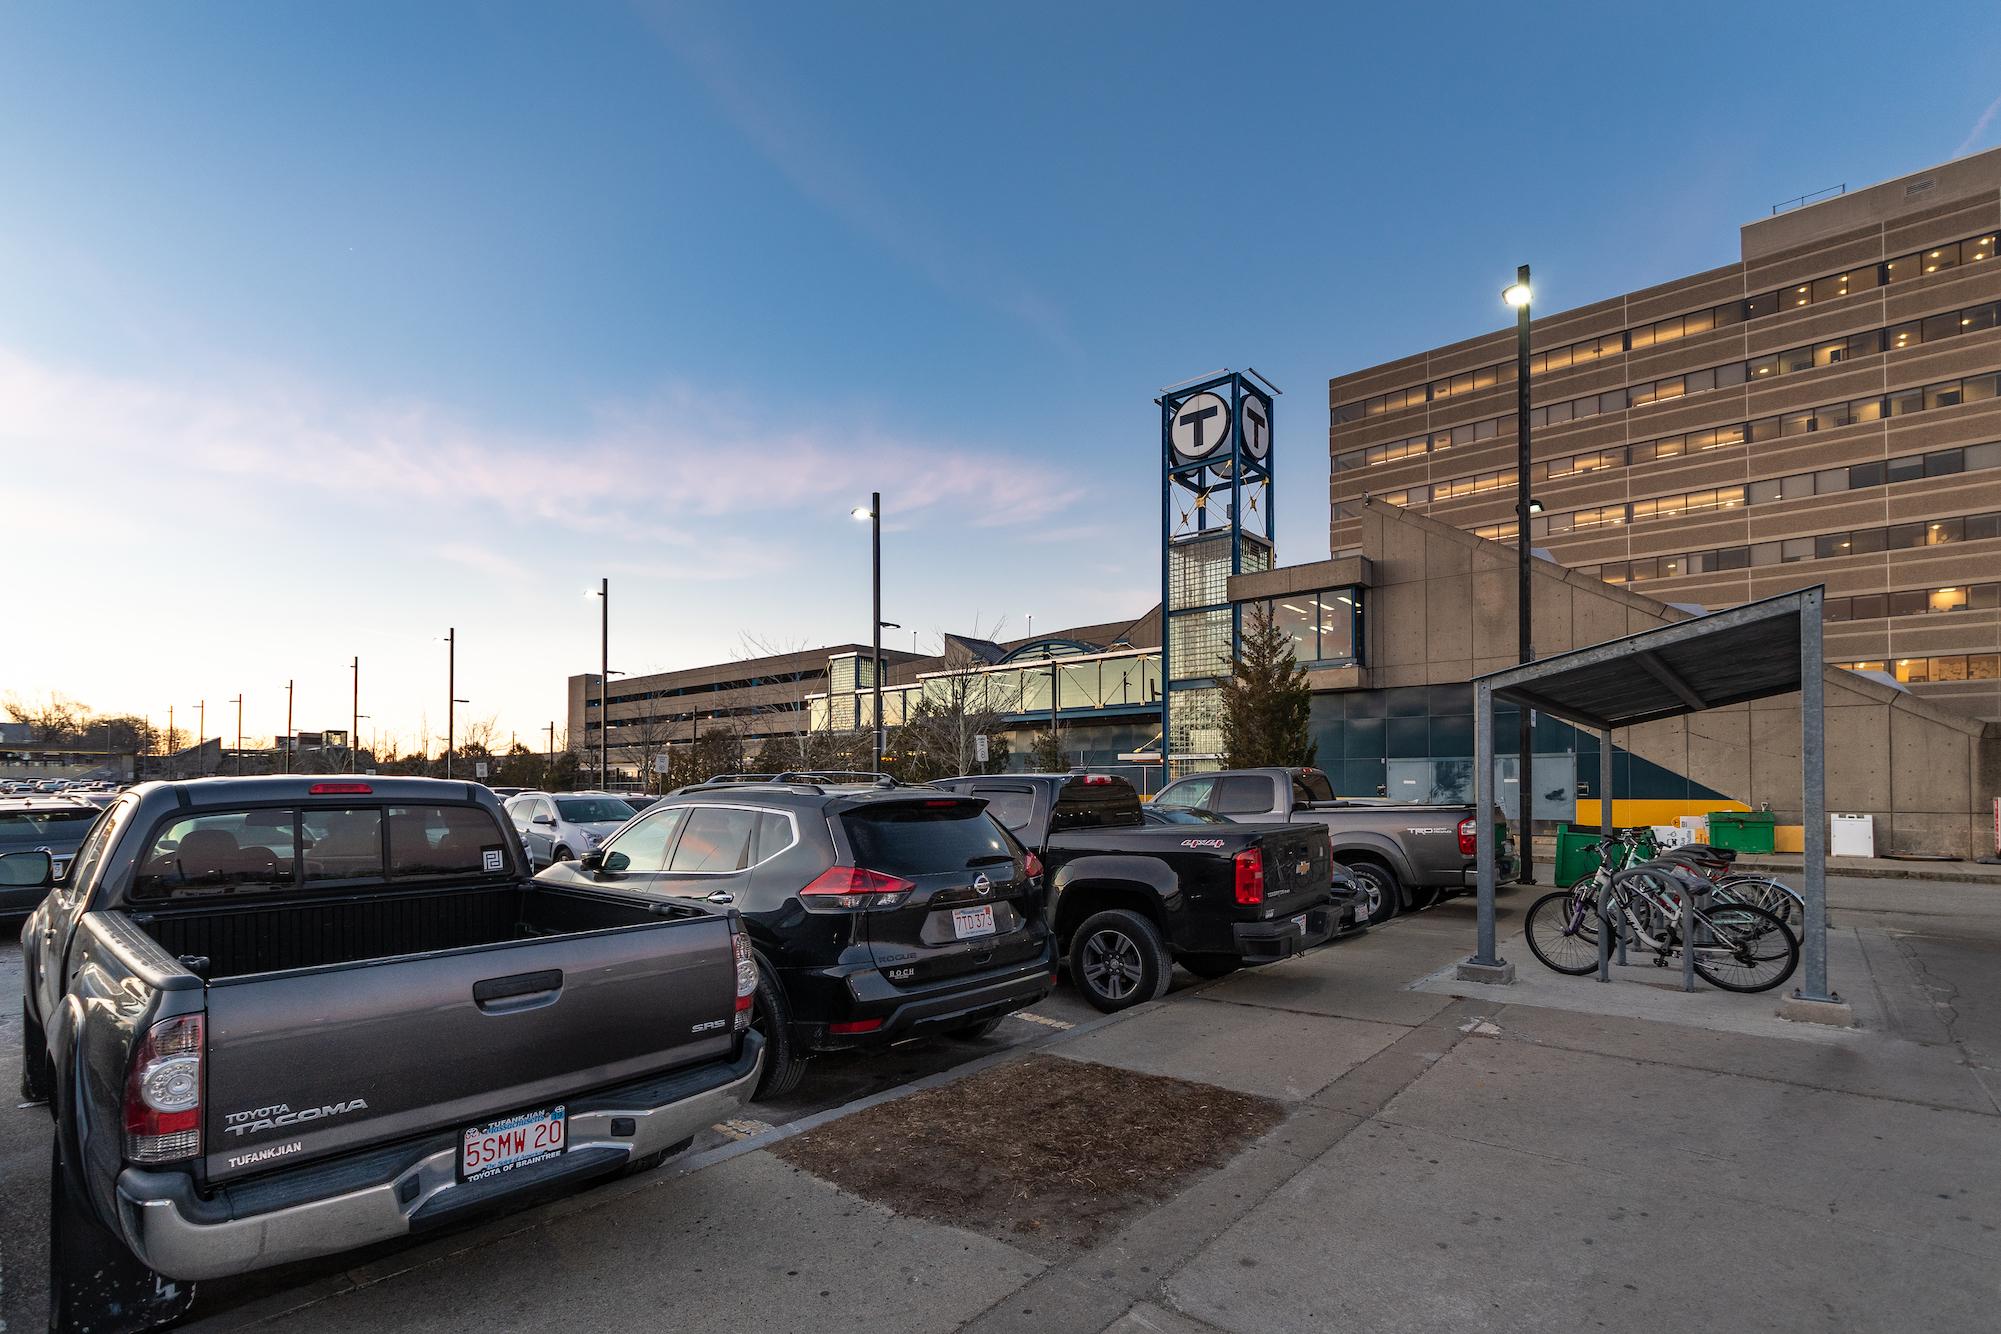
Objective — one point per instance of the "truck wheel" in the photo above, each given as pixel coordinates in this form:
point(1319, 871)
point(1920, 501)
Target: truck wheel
point(96, 1285)
point(34, 1058)
point(1379, 891)
point(771, 1016)
point(1211, 965)
point(1118, 960)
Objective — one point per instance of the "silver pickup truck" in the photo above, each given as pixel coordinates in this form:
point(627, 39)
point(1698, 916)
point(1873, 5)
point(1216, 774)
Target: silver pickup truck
point(275, 1018)
point(1405, 855)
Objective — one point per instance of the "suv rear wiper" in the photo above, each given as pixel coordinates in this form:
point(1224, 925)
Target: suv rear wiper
point(994, 859)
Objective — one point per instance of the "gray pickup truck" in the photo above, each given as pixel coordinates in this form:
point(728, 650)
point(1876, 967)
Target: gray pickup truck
point(1404, 855)
point(276, 1018)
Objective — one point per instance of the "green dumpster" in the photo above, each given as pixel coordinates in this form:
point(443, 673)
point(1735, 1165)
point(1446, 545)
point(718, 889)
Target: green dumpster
point(1742, 831)
point(1576, 855)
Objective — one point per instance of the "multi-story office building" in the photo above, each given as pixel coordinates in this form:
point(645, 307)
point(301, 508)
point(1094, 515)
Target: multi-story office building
point(1824, 410)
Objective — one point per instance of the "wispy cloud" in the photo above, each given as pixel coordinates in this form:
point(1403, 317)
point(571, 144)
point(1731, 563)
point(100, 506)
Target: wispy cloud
point(799, 143)
point(1978, 133)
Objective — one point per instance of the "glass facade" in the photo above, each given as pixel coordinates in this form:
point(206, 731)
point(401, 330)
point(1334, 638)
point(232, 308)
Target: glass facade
point(1325, 626)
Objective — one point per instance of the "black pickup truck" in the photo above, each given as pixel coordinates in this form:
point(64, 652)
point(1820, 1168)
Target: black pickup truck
point(1127, 900)
point(277, 1018)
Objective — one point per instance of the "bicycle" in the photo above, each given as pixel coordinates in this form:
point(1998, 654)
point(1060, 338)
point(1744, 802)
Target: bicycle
point(1714, 865)
point(1737, 946)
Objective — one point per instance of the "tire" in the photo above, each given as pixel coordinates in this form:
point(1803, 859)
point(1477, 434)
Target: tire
point(1766, 950)
point(1384, 898)
point(35, 1083)
point(1546, 927)
point(771, 1016)
point(1425, 896)
point(96, 1284)
point(1118, 960)
point(975, 1032)
point(1211, 965)
point(560, 855)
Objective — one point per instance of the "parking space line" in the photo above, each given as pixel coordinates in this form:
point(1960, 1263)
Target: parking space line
point(1044, 1020)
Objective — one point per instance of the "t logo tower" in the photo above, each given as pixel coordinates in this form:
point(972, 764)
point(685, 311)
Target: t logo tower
point(1215, 521)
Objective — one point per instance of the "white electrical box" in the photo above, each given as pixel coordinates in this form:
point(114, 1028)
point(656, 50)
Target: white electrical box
point(1851, 836)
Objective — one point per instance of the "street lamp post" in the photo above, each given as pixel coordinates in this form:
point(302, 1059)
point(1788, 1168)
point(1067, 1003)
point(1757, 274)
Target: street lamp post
point(452, 700)
point(238, 702)
point(354, 732)
point(604, 677)
point(290, 735)
point(1519, 295)
point(201, 739)
point(874, 516)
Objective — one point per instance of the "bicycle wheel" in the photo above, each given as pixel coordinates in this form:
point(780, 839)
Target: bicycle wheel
point(1763, 892)
point(1562, 930)
point(1749, 949)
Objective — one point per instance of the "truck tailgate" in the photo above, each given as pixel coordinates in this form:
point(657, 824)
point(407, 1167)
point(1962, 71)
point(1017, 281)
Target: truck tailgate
point(1298, 864)
point(328, 1060)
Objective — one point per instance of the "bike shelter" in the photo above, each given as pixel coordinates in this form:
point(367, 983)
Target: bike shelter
point(1730, 657)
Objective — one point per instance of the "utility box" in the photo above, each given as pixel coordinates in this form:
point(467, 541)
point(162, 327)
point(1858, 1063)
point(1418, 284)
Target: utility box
point(1851, 835)
point(1576, 855)
point(1743, 831)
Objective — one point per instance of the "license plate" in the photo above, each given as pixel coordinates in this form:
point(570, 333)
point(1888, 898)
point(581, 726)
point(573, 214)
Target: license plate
point(1300, 922)
point(516, 1141)
point(968, 922)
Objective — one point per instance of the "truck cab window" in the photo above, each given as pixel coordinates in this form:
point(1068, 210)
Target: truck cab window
point(1192, 794)
point(443, 840)
point(1012, 806)
point(227, 850)
point(1243, 794)
point(341, 845)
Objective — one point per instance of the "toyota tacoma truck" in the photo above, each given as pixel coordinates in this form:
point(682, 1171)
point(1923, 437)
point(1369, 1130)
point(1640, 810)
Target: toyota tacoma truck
point(276, 1018)
point(1127, 900)
point(1405, 855)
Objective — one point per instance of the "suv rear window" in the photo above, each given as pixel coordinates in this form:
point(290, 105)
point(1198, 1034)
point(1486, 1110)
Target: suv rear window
point(33, 827)
point(925, 839)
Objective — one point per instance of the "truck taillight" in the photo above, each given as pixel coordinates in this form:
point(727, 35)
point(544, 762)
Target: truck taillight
point(1250, 877)
point(163, 1093)
point(746, 979)
point(1467, 838)
point(851, 888)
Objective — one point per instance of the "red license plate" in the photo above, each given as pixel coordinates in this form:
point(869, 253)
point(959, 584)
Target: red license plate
point(511, 1142)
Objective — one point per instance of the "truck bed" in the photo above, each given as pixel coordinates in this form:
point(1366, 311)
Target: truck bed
point(277, 936)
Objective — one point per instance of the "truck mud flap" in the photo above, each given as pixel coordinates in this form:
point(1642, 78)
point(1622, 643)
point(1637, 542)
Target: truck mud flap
point(96, 1284)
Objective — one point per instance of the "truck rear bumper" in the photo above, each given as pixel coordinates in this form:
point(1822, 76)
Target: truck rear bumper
point(331, 1207)
point(1262, 942)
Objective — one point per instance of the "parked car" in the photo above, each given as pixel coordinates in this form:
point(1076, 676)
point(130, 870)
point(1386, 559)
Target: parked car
point(55, 825)
point(1127, 900)
point(276, 1018)
point(875, 914)
point(559, 826)
point(1405, 855)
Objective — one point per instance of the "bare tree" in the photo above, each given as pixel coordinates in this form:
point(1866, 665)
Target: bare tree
point(939, 734)
point(782, 725)
point(648, 734)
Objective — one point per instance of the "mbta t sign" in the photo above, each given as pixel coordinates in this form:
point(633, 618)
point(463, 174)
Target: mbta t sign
point(1201, 428)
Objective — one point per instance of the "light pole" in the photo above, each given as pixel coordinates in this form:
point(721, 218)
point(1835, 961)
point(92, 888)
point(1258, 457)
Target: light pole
point(290, 735)
point(1519, 294)
point(354, 732)
point(874, 516)
point(201, 739)
point(604, 677)
point(170, 738)
point(238, 702)
point(452, 700)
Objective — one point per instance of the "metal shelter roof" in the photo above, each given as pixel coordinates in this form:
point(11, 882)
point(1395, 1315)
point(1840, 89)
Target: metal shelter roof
point(1727, 657)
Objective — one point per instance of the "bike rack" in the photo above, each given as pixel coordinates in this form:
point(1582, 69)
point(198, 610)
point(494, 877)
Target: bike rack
point(1694, 897)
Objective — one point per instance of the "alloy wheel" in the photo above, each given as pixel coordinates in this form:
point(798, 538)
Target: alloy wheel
point(1112, 964)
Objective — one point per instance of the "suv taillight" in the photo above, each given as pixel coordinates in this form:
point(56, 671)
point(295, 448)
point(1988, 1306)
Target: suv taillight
point(852, 888)
point(1031, 867)
point(1468, 840)
point(1250, 877)
point(163, 1093)
point(746, 977)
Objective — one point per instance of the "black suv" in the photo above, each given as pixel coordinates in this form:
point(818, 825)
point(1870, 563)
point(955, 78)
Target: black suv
point(55, 825)
point(877, 914)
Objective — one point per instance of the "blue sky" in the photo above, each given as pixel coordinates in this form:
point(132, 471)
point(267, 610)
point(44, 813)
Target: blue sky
point(323, 329)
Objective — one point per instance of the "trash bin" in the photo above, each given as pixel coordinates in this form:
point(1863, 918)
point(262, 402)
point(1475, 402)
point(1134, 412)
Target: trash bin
point(1742, 831)
point(1576, 855)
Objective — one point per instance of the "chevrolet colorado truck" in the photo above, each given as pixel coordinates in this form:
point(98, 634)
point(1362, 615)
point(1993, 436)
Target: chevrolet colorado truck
point(275, 1018)
point(1127, 900)
point(1405, 855)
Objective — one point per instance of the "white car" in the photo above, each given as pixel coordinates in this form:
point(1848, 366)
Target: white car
point(562, 826)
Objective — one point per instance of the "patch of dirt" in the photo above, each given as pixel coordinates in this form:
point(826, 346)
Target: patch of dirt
point(1048, 1154)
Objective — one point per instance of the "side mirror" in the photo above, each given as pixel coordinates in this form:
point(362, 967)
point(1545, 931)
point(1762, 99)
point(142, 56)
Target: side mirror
point(27, 870)
point(545, 819)
point(591, 862)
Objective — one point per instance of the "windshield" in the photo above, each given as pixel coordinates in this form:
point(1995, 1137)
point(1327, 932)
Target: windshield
point(593, 810)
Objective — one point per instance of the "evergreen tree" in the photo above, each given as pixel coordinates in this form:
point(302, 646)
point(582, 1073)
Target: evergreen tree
point(1266, 702)
point(1046, 756)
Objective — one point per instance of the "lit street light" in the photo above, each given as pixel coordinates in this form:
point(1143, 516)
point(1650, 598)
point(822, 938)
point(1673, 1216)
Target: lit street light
point(1519, 295)
point(873, 515)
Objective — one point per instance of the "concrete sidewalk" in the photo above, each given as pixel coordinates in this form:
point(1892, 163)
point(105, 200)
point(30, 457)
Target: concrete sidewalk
point(1447, 1164)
